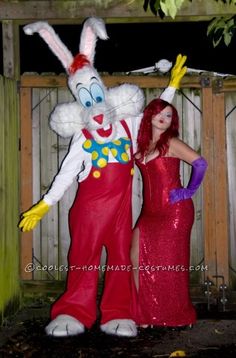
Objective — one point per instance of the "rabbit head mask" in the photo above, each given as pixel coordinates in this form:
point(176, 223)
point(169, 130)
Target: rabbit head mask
point(96, 107)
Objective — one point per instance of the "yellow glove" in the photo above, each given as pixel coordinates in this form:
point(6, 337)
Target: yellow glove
point(178, 71)
point(32, 216)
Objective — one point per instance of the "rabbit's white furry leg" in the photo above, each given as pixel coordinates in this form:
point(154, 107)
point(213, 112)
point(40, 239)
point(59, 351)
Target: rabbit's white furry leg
point(64, 325)
point(120, 327)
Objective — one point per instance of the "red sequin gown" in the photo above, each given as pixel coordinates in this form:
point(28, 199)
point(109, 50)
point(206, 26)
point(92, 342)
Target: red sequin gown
point(164, 240)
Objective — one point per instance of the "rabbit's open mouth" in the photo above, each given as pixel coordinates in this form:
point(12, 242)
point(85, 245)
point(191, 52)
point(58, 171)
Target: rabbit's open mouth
point(104, 132)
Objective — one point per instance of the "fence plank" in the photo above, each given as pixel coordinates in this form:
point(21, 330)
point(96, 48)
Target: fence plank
point(114, 11)
point(231, 165)
point(26, 177)
point(208, 184)
point(9, 193)
point(151, 81)
point(49, 165)
point(221, 187)
point(191, 134)
point(64, 96)
point(37, 238)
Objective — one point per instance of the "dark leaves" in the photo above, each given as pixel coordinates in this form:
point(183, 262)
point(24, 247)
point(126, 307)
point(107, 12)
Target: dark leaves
point(154, 7)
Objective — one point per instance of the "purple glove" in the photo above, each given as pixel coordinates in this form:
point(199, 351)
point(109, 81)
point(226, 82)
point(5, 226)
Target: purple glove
point(199, 167)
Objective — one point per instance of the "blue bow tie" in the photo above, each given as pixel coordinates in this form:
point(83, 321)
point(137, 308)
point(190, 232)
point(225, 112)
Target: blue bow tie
point(100, 151)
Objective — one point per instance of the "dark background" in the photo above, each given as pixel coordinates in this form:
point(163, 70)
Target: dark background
point(134, 46)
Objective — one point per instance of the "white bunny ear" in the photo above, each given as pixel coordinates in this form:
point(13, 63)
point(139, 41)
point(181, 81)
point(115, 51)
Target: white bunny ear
point(93, 27)
point(53, 41)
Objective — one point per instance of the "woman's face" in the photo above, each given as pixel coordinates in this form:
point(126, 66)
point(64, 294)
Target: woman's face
point(162, 120)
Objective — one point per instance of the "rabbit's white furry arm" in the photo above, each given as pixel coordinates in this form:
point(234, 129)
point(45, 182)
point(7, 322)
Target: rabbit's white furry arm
point(127, 100)
point(77, 163)
point(65, 120)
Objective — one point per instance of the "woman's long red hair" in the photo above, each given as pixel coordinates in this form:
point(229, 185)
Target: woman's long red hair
point(145, 130)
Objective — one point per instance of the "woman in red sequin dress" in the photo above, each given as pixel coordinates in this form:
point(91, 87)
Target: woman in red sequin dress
point(161, 238)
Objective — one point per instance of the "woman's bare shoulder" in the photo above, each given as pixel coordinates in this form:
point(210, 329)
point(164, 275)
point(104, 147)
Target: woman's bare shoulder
point(182, 150)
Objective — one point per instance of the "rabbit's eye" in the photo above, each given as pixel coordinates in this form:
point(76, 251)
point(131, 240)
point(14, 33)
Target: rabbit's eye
point(85, 98)
point(97, 92)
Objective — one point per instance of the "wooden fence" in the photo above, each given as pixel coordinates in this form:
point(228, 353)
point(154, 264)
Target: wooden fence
point(207, 124)
point(9, 193)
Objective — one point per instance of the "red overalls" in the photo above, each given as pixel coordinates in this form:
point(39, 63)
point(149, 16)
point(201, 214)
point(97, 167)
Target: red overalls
point(100, 215)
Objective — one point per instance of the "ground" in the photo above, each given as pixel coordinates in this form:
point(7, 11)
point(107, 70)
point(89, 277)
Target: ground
point(214, 335)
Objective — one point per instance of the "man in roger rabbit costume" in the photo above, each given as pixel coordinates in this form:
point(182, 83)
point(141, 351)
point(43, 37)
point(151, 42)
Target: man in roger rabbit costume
point(103, 124)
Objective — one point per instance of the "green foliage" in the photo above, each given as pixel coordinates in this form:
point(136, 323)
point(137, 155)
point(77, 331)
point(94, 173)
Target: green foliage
point(219, 29)
point(171, 7)
point(222, 29)
point(164, 7)
point(154, 7)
